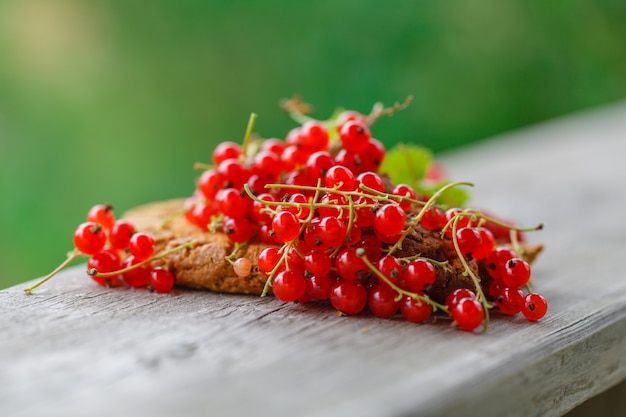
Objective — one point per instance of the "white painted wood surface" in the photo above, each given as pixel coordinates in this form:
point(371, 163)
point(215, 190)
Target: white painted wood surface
point(76, 349)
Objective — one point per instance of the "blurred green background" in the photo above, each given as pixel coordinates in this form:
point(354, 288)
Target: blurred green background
point(113, 101)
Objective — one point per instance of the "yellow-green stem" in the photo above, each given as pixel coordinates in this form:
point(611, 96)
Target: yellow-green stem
point(72, 256)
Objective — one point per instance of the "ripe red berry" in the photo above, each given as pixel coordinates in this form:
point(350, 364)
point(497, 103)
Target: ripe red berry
point(105, 261)
point(340, 177)
point(233, 172)
point(457, 295)
point(348, 296)
point(314, 136)
point(209, 183)
point(318, 287)
point(318, 164)
point(120, 234)
point(238, 229)
point(349, 265)
point(138, 276)
point(381, 301)
point(233, 203)
point(141, 246)
point(354, 135)
point(226, 150)
point(414, 310)
point(389, 220)
point(403, 190)
point(371, 180)
point(516, 273)
point(487, 243)
point(103, 215)
point(286, 226)
point(433, 219)
point(268, 258)
point(89, 238)
point(496, 260)
point(317, 263)
point(419, 274)
point(288, 285)
point(468, 314)
point(161, 280)
point(510, 300)
point(535, 307)
point(390, 267)
point(468, 239)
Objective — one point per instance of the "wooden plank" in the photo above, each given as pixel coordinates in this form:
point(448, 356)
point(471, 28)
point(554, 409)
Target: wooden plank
point(75, 349)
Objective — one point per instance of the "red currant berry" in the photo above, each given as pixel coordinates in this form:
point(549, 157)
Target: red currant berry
point(318, 164)
point(233, 203)
point(371, 180)
point(317, 263)
point(364, 215)
point(468, 314)
point(390, 267)
point(487, 243)
point(161, 280)
point(331, 231)
point(268, 259)
point(535, 307)
point(226, 150)
point(389, 220)
point(105, 261)
point(371, 157)
point(141, 246)
point(468, 239)
point(120, 234)
point(286, 226)
point(372, 246)
point(273, 145)
point(209, 183)
point(257, 213)
point(103, 215)
point(510, 300)
point(433, 219)
point(238, 229)
point(138, 276)
point(89, 238)
point(457, 295)
point(354, 136)
point(288, 285)
point(415, 311)
point(403, 190)
point(381, 301)
point(267, 165)
point(233, 172)
point(242, 267)
point(516, 273)
point(349, 265)
point(419, 274)
point(348, 296)
point(340, 177)
point(314, 136)
point(318, 287)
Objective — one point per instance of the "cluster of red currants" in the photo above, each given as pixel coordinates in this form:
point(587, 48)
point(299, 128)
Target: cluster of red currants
point(333, 226)
point(116, 251)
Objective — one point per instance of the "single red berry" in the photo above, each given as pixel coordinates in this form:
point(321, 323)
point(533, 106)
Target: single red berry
point(433, 219)
point(161, 280)
point(371, 157)
point(366, 214)
point(371, 180)
point(317, 263)
point(301, 208)
point(349, 265)
point(268, 258)
point(120, 234)
point(348, 296)
point(415, 311)
point(333, 199)
point(457, 295)
point(419, 274)
point(468, 239)
point(403, 190)
point(209, 183)
point(510, 300)
point(331, 231)
point(89, 238)
point(233, 172)
point(390, 267)
point(238, 229)
point(273, 145)
point(288, 285)
point(314, 136)
point(141, 246)
point(267, 165)
point(468, 314)
point(381, 301)
point(286, 226)
point(389, 220)
point(354, 135)
point(226, 150)
point(340, 177)
point(138, 276)
point(105, 261)
point(535, 307)
point(233, 203)
point(318, 287)
point(318, 164)
point(487, 244)
point(103, 215)
point(257, 214)
point(516, 273)
point(495, 288)
point(372, 246)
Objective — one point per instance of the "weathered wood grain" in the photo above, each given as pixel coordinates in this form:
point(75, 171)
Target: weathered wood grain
point(75, 349)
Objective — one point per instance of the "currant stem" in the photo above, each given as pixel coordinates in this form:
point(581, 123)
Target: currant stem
point(236, 248)
point(94, 272)
point(201, 166)
point(399, 290)
point(246, 138)
point(268, 281)
point(72, 256)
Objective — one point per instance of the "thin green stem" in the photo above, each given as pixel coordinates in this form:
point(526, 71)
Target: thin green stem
point(246, 138)
point(94, 272)
point(72, 256)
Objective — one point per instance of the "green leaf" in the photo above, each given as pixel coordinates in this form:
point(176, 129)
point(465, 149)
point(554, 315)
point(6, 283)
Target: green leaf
point(407, 164)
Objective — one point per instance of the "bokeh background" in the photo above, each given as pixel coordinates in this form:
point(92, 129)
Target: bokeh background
point(113, 101)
